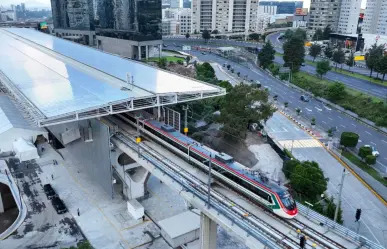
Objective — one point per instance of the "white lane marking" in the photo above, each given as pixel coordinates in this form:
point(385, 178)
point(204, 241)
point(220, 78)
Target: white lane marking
point(359, 141)
point(380, 163)
point(368, 133)
point(290, 101)
point(373, 143)
point(318, 109)
point(342, 126)
point(385, 158)
point(324, 122)
point(309, 110)
point(353, 125)
point(296, 128)
point(384, 141)
point(330, 118)
point(326, 107)
point(292, 96)
point(339, 117)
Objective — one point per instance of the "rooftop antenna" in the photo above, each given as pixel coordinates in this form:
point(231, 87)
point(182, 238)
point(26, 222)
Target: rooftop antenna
point(129, 81)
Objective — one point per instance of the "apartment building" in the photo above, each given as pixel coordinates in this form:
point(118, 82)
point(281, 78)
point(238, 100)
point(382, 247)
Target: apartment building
point(375, 17)
point(349, 16)
point(323, 13)
point(224, 15)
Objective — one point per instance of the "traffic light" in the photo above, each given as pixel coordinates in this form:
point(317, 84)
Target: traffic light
point(302, 241)
point(358, 214)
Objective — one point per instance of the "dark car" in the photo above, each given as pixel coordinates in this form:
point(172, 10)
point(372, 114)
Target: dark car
point(304, 98)
point(59, 206)
point(49, 191)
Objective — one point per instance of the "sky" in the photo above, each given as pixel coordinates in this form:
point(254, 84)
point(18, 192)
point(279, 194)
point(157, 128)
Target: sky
point(47, 3)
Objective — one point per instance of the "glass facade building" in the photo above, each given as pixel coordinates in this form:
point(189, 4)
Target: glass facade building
point(137, 20)
point(283, 7)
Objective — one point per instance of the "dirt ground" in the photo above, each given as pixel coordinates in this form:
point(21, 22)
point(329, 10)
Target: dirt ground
point(213, 139)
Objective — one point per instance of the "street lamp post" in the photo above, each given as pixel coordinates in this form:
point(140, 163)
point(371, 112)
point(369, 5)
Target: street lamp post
point(339, 197)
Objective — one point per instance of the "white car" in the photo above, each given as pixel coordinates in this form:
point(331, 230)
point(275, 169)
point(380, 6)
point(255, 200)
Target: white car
point(374, 151)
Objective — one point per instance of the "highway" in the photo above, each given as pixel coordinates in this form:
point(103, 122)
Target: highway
point(352, 82)
point(325, 116)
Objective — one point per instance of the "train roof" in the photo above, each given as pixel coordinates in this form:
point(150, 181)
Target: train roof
point(234, 165)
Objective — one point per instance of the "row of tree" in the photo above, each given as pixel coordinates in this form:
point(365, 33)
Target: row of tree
point(322, 34)
point(376, 60)
point(350, 140)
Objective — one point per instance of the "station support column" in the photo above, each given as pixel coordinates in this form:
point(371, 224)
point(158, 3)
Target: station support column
point(207, 232)
point(1, 205)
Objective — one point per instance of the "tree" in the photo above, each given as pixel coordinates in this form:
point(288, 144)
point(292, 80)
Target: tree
point(301, 33)
point(240, 108)
point(289, 166)
point(225, 84)
point(349, 139)
point(187, 35)
point(266, 55)
point(215, 31)
point(163, 63)
point(328, 52)
point(313, 121)
point(350, 60)
point(298, 110)
point(338, 57)
point(327, 32)
point(205, 72)
point(288, 34)
point(322, 68)
point(294, 53)
point(239, 74)
point(318, 35)
point(206, 35)
point(254, 36)
point(382, 66)
point(331, 209)
point(286, 104)
point(373, 56)
point(314, 50)
point(228, 67)
point(187, 59)
point(370, 159)
point(364, 151)
point(336, 91)
point(307, 178)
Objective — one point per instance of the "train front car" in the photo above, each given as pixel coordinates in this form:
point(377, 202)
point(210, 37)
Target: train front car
point(288, 205)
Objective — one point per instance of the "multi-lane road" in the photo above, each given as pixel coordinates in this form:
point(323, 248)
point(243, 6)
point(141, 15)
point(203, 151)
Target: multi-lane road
point(325, 117)
point(352, 82)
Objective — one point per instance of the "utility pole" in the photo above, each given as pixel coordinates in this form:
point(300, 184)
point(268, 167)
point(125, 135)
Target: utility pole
point(185, 108)
point(340, 192)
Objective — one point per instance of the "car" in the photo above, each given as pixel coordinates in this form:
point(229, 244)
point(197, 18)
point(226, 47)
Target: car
point(303, 64)
point(165, 45)
point(204, 53)
point(58, 205)
point(304, 98)
point(49, 191)
point(374, 151)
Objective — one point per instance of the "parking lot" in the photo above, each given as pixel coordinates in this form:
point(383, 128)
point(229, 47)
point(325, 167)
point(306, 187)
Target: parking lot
point(43, 227)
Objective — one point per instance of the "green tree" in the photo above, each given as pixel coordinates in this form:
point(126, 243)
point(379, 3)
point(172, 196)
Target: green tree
point(187, 59)
point(206, 35)
point(364, 151)
point(288, 34)
point(331, 209)
point(336, 91)
point(382, 66)
point(338, 57)
point(266, 55)
point(349, 139)
point(307, 178)
point(373, 56)
point(322, 68)
point(370, 159)
point(82, 245)
point(289, 166)
point(314, 50)
point(254, 36)
point(298, 110)
point(350, 60)
point(294, 53)
point(318, 35)
point(205, 72)
point(240, 108)
point(215, 32)
point(327, 32)
point(286, 104)
point(162, 63)
point(301, 33)
point(225, 84)
point(328, 51)
point(187, 35)
point(313, 121)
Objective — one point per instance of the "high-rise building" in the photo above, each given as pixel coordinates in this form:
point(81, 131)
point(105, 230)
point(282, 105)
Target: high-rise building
point(267, 9)
point(223, 15)
point(282, 7)
point(323, 13)
point(176, 4)
point(23, 7)
point(186, 4)
point(375, 17)
point(130, 28)
point(349, 16)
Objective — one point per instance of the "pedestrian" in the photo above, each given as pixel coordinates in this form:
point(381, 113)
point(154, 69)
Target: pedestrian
point(143, 218)
point(52, 176)
point(78, 212)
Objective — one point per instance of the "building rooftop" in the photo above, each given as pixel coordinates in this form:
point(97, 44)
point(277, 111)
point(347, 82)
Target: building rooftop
point(59, 81)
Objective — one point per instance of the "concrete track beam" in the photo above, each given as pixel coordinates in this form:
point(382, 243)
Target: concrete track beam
point(208, 232)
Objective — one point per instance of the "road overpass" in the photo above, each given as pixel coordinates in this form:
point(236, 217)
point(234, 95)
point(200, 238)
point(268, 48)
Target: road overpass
point(72, 90)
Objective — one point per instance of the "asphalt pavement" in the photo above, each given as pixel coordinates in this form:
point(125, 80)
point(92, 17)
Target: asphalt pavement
point(326, 117)
point(352, 82)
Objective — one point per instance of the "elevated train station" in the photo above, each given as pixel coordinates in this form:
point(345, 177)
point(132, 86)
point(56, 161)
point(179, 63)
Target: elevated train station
point(79, 93)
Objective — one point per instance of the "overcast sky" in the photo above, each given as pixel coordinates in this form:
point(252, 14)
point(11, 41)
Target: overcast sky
point(47, 3)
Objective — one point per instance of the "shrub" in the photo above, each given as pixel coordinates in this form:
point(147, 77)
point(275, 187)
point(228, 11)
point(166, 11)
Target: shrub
point(370, 159)
point(349, 139)
point(364, 152)
point(180, 62)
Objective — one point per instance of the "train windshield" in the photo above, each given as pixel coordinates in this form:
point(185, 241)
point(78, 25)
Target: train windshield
point(288, 201)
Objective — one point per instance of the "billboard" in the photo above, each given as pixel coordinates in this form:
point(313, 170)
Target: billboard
point(43, 25)
point(301, 12)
